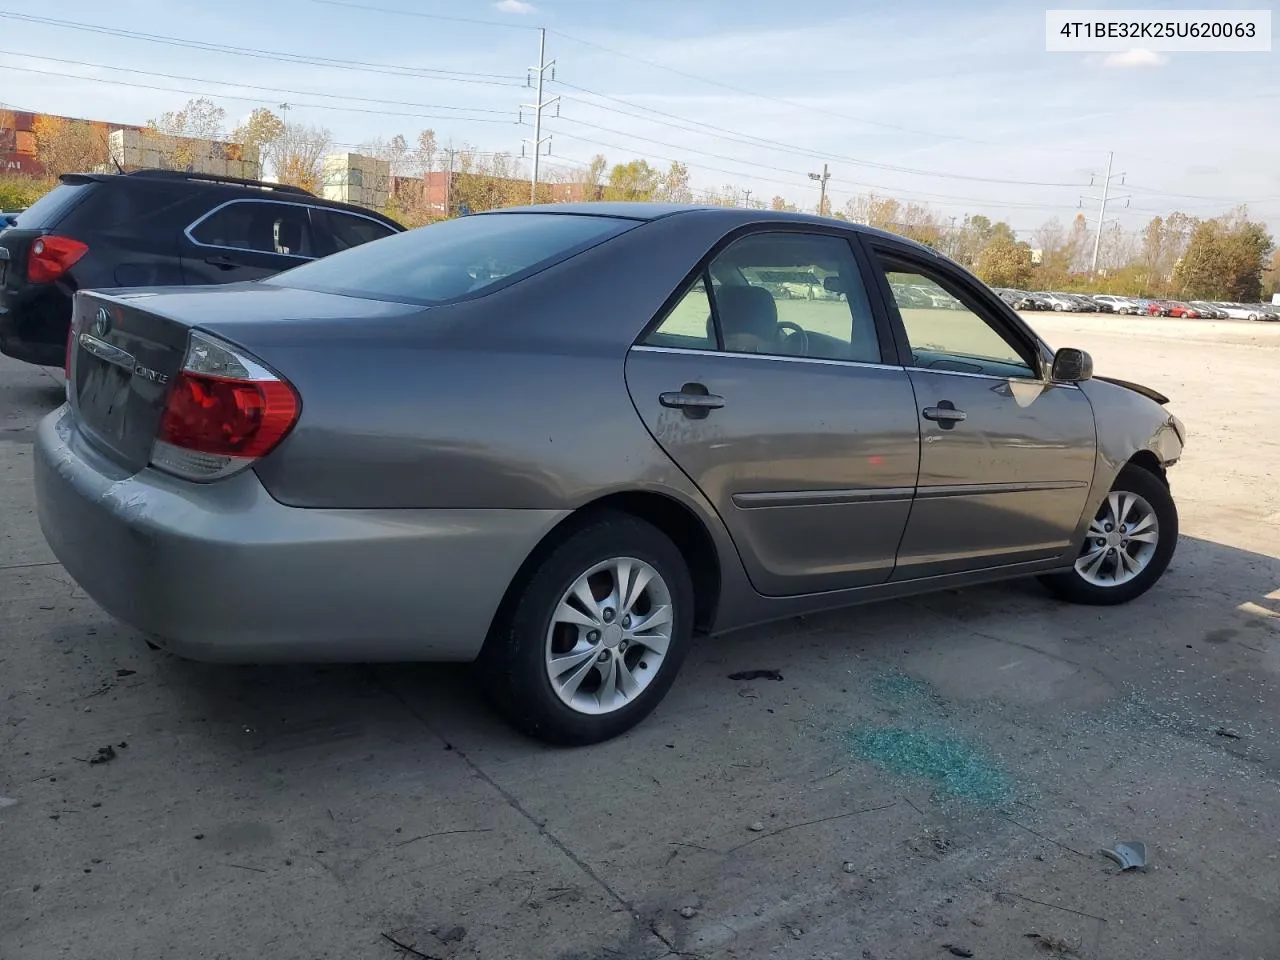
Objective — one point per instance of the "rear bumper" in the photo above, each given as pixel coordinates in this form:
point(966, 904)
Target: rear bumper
point(223, 572)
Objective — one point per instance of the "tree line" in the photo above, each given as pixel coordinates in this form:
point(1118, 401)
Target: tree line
point(1227, 257)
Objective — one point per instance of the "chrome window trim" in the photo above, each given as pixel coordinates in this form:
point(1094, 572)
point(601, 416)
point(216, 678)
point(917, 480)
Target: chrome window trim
point(822, 361)
point(189, 234)
point(690, 351)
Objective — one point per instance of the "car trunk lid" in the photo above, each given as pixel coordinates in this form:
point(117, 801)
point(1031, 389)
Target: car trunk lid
point(128, 346)
point(122, 360)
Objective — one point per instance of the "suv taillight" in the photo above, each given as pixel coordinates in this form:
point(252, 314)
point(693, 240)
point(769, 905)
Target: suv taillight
point(224, 411)
point(51, 257)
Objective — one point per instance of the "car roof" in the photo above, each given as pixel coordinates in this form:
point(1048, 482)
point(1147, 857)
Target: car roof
point(236, 189)
point(732, 216)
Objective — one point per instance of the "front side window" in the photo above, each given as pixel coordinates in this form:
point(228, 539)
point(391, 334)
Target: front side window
point(946, 332)
point(259, 226)
point(454, 259)
point(791, 294)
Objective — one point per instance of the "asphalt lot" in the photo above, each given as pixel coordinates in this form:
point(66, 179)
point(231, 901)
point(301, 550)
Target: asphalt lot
point(928, 773)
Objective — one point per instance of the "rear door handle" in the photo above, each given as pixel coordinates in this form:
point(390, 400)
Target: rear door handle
point(694, 399)
point(708, 401)
point(222, 263)
point(944, 414)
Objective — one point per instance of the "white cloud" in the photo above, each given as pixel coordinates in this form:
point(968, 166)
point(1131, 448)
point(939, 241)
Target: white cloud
point(1130, 58)
point(515, 6)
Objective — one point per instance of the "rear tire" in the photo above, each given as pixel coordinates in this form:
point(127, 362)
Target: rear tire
point(594, 638)
point(1138, 507)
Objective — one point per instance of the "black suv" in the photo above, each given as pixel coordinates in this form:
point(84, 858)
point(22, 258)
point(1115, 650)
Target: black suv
point(156, 228)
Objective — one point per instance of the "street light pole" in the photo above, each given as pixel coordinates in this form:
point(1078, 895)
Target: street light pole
point(822, 179)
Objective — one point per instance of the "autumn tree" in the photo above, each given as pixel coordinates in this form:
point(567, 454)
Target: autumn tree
point(1004, 262)
point(634, 181)
point(258, 132)
point(296, 155)
point(1224, 260)
point(782, 205)
point(673, 186)
point(183, 134)
point(70, 146)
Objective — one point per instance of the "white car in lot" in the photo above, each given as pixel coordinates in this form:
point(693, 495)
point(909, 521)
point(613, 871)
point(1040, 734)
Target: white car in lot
point(1239, 311)
point(1119, 304)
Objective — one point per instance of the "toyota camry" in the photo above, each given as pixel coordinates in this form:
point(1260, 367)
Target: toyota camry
point(564, 441)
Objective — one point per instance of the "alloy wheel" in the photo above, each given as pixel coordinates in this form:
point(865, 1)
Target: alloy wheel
point(609, 635)
point(1121, 540)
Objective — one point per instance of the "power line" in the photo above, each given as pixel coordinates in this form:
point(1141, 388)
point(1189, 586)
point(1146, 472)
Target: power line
point(387, 69)
point(426, 16)
point(252, 86)
point(228, 96)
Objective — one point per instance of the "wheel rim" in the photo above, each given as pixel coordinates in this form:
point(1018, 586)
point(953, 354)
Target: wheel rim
point(609, 635)
point(1121, 541)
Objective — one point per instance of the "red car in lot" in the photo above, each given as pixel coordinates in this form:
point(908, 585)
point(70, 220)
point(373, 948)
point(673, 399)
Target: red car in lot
point(1183, 311)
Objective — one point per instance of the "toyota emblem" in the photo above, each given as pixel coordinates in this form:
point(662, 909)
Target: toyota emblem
point(102, 322)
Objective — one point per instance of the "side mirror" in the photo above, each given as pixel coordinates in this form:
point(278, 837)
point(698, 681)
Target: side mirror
point(1071, 365)
point(833, 284)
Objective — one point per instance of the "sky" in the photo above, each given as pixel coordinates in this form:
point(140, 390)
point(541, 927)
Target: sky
point(950, 102)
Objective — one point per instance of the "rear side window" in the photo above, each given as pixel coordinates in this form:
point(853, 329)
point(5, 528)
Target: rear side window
point(342, 231)
point(48, 210)
point(454, 259)
point(258, 225)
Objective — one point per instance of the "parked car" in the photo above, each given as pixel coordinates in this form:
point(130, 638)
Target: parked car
point(1209, 311)
point(1265, 311)
point(534, 438)
point(154, 228)
point(1058, 301)
point(1158, 308)
point(1086, 304)
point(1113, 304)
point(1183, 311)
point(8, 218)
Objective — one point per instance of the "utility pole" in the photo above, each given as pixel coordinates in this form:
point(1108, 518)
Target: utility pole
point(448, 185)
point(746, 198)
point(1102, 209)
point(285, 108)
point(538, 139)
point(822, 179)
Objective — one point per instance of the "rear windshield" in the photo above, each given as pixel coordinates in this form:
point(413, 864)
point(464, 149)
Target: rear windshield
point(48, 210)
point(455, 259)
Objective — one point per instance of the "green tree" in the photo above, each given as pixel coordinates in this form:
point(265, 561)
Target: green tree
point(1224, 260)
point(1004, 262)
point(632, 182)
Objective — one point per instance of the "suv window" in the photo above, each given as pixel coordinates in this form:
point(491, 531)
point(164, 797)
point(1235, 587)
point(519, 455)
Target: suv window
point(949, 332)
point(456, 258)
point(792, 294)
point(46, 211)
point(342, 231)
point(263, 226)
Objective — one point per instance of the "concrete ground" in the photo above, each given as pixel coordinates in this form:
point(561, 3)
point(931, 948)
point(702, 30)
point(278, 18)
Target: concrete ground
point(930, 778)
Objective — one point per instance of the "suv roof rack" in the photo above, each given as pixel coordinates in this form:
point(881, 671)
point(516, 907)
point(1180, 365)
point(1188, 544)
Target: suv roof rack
point(214, 178)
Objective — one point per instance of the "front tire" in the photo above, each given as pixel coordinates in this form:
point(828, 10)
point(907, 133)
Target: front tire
point(1128, 545)
point(595, 636)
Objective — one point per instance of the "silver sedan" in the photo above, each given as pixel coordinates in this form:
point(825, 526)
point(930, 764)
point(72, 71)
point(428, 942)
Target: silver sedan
point(561, 441)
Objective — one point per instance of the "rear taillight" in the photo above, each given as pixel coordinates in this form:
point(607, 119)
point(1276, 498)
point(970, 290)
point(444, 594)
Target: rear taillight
point(224, 411)
point(51, 257)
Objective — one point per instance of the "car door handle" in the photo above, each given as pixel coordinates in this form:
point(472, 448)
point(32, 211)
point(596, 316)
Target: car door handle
point(222, 263)
point(694, 399)
point(944, 414)
point(702, 401)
